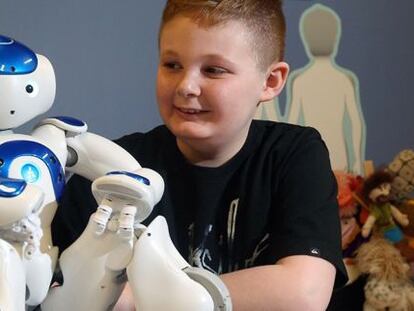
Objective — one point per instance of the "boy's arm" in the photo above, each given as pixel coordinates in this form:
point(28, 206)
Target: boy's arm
point(293, 283)
point(126, 300)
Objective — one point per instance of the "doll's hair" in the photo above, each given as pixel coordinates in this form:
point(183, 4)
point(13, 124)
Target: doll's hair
point(375, 180)
point(264, 19)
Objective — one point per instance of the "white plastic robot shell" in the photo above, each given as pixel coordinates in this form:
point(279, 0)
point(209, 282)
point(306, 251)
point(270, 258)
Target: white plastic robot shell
point(129, 190)
point(20, 105)
point(69, 128)
point(21, 206)
point(156, 272)
point(12, 280)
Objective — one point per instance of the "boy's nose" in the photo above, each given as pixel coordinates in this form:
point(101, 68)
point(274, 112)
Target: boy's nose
point(188, 87)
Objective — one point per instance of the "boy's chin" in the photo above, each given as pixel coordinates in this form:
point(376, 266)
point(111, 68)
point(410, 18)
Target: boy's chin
point(191, 133)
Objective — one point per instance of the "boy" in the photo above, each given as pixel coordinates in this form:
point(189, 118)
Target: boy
point(253, 201)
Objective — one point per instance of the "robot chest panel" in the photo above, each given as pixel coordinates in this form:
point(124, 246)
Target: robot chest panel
point(34, 163)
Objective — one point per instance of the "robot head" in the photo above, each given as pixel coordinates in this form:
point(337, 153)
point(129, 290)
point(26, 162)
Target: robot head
point(27, 84)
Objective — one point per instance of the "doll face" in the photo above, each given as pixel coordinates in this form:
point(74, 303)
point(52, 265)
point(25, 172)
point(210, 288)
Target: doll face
point(381, 193)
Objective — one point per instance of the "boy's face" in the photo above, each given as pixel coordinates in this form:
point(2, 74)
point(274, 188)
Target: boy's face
point(209, 83)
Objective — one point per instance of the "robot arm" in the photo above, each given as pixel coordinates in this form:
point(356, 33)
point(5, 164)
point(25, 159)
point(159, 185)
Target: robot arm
point(84, 153)
point(161, 279)
point(92, 156)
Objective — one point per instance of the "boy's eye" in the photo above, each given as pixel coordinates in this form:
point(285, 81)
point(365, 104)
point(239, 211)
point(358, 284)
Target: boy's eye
point(212, 70)
point(171, 65)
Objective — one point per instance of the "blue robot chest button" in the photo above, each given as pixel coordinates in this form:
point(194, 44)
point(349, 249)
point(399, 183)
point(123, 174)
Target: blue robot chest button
point(30, 173)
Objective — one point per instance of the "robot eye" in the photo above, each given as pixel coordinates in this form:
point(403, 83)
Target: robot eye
point(29, 88)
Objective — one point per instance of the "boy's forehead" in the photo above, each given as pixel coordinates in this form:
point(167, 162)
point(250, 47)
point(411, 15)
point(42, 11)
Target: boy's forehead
point(183, 24)
point(231, 40)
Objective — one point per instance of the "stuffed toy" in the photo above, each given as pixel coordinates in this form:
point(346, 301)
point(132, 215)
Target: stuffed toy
point(388, 285)
point(402, 167)
point(348, 185)
point(376, 193)
point(402, 193)
point(406, 246)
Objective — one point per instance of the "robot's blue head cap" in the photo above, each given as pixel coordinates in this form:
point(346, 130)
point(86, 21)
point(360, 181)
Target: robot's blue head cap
point(15, 58)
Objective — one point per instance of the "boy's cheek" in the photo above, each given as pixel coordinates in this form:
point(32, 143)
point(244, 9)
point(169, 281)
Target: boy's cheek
point(163, 92)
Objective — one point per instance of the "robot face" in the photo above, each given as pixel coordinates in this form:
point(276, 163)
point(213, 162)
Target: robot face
point(27, 85)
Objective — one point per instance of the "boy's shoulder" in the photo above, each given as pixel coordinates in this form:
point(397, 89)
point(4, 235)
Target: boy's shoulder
point(280, 132)
point(284, 143)
point(149, 146)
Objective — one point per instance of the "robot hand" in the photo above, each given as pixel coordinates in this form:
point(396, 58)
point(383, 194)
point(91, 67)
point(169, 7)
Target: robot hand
point(94, 266)
point(19, 215)
point(159, 277)
point(20, 226)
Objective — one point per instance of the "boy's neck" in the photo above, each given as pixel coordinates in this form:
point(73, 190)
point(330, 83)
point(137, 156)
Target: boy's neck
point(209, 155)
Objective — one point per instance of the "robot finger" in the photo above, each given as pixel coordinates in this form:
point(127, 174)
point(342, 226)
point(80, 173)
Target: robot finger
point(127, 220)
point(141, 189)
point(101, 218)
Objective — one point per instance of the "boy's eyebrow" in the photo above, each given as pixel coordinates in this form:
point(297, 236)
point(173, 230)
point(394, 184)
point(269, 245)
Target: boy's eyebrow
point(219, 57)
point(169, 53)
point(215, 57)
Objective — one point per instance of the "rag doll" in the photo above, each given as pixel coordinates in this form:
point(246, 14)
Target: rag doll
point(382, 213)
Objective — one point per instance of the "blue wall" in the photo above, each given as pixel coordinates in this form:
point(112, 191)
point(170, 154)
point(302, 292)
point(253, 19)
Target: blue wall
point(105, 56)
point(378, 46)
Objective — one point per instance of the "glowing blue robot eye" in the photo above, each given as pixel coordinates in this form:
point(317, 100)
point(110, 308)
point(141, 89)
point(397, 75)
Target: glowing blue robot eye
point(30, 173)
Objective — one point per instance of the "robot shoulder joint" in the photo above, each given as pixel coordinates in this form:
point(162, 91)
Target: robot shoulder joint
point(71, 126)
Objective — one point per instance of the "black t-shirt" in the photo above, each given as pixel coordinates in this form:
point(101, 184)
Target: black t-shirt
point(275, 198)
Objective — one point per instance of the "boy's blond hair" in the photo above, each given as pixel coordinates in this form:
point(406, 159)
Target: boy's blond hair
point(264, 19)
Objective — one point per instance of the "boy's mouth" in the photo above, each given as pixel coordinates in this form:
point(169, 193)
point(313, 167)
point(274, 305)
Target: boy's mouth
point(190, 111)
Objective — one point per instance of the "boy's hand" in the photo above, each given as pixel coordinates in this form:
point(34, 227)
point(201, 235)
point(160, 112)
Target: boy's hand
point(126, 300)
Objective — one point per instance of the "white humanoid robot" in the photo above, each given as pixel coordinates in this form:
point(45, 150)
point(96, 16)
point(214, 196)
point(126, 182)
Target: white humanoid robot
point(114, 244)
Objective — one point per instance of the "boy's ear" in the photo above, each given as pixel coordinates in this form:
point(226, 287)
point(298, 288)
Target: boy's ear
point(275, 80)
